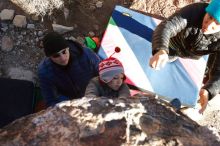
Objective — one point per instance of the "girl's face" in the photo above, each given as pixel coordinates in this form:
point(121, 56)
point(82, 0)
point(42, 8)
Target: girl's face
point(210, 25)
point(116, 82)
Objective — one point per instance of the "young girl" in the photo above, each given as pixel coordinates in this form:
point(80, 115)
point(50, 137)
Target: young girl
point(110, 82)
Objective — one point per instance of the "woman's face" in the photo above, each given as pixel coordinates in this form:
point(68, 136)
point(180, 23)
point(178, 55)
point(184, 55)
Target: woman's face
point(116, 82)
point(210, 25)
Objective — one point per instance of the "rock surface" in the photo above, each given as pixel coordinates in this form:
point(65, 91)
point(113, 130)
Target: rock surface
point(93, 122)
point(20, 54)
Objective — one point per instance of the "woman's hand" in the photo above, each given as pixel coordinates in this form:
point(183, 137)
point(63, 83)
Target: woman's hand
point(204, 98)
point(159, 60)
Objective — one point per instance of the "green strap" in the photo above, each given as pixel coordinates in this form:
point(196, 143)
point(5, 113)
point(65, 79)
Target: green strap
point(90, 43)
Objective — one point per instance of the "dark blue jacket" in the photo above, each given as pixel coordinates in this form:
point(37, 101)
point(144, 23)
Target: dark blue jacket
point(58, 83)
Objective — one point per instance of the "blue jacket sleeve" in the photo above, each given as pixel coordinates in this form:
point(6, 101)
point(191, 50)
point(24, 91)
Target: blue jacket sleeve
point(48, 91)
point(94, 60)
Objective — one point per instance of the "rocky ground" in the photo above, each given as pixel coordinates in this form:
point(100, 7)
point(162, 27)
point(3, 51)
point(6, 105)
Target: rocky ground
point(20, 51)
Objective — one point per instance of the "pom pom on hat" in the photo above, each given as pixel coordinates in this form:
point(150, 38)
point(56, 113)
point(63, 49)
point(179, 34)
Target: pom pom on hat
point(117, 50)
point(53, 43)
point(110, 67)
point(213, 9)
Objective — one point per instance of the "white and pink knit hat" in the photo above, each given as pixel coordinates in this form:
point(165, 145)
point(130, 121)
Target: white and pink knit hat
point(109, 68)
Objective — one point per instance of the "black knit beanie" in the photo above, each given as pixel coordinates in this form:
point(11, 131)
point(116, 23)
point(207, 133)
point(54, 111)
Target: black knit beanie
point(53, 43)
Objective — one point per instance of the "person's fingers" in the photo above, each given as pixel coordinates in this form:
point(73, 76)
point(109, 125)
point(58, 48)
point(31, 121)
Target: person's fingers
point(203, 107)
point(158, 63)
point(158, 60)
point(203, 100)
point(163, 63)
point(152, 62)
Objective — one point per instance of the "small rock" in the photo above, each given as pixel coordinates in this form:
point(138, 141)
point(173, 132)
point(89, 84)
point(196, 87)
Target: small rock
point(18, 43)
point(30, 26)
point(4, 24)
point(20, 21)
point(140, 5)
point(61, 29)
point(35, 33)
point(72, 38)
point(20, 73)
point(75, 25)
point(96, 27)
point(7, 43)
point(92, 7)
point(41, 38)
point(24, 33)
point(66, 13)
point(36, 40)
point(20, 37)
point(40, 33)
point(4, 29)
point(182, 3)
point(7, 14)
point(11, 26)
point(91, 34)
point(34, 17)
point(99, 4)
point(80, 40)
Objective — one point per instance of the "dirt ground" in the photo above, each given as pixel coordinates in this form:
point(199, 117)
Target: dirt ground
point(86, 17)
point(81, 13)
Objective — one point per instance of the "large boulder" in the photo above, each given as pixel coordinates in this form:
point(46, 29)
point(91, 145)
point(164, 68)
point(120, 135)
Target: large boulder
point(93, 122)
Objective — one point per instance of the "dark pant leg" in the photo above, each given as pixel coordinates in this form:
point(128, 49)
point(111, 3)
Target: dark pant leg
point(209, 67)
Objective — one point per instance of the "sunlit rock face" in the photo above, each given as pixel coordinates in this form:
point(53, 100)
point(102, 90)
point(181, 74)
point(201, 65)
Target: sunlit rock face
point(39, 7)
point(107, 122)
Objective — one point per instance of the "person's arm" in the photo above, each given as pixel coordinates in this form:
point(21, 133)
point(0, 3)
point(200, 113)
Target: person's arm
point(166, 30)
point(204, 98)
point(161, 38)
point(124, 91)
point(188, 16)
point(92, 89)
point(212, 86)
point(191, 15)
point(49, 92)
point(94, 60)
